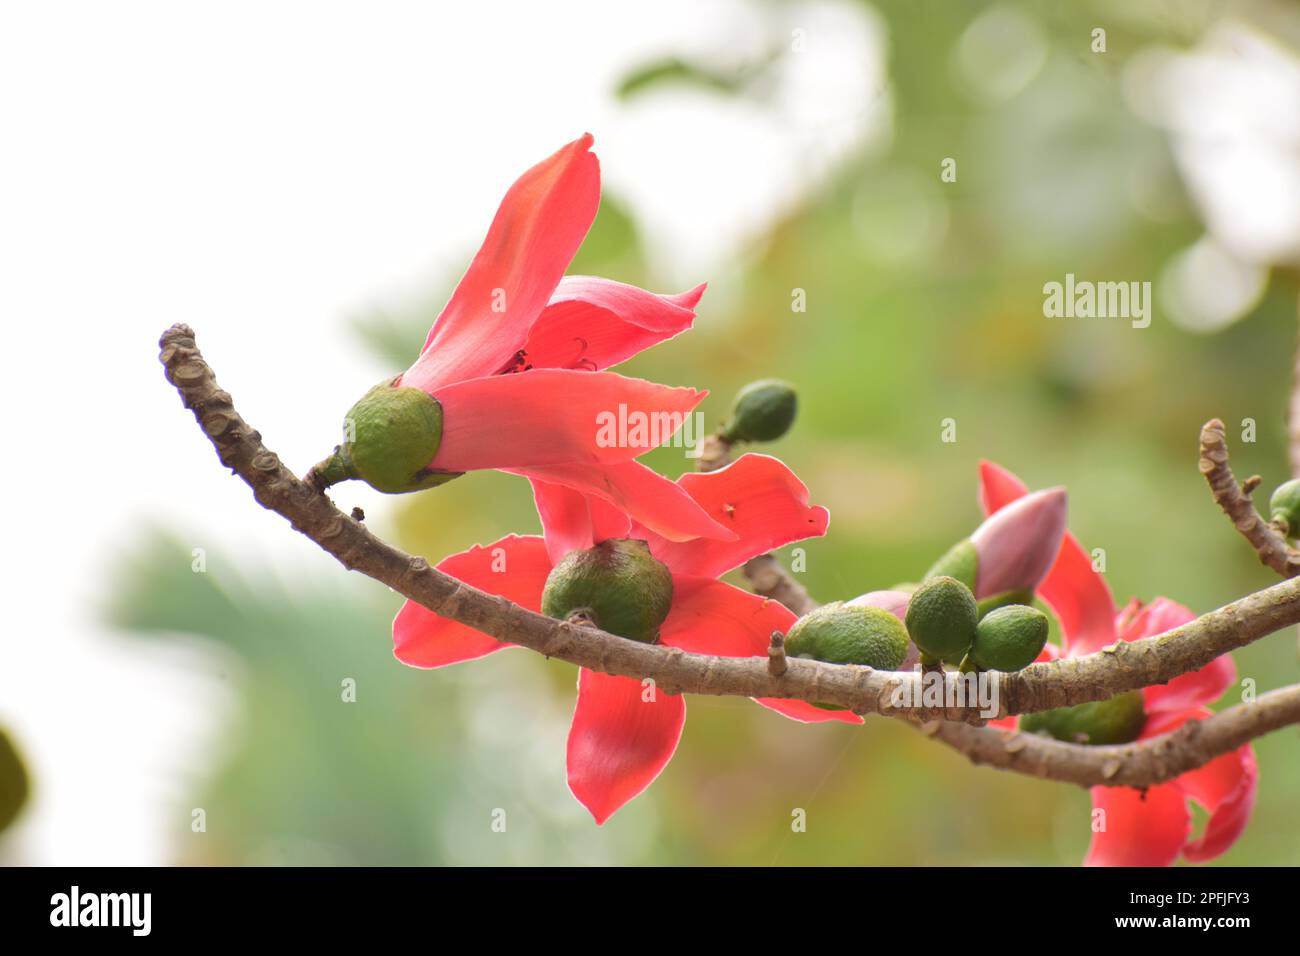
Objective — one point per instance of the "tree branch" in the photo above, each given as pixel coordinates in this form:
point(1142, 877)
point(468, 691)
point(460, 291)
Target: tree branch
point(1234, 498)
point(1116, 668)
point(1143, 763)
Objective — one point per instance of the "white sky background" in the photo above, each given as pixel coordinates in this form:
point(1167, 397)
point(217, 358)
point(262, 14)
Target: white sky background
point(264, 172)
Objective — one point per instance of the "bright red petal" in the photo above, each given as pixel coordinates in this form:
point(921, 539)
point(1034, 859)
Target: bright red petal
point(1141, 828)
point(710, 617)
point(515, 567)
point(554, 416)
point(1225, 787)
point(538, 228)
point(623, 734)
point(1079, 596)
point(644, 495)
point(805, 712)
point(759, 499)
point(572, 520)
point(595, 323)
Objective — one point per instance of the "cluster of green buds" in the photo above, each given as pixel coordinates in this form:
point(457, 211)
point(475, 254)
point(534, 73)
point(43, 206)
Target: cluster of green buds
point(948, 625)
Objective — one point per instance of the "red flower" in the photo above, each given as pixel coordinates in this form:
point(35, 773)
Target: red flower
point(1148, 827)
point(623, 733)
point(515, 357)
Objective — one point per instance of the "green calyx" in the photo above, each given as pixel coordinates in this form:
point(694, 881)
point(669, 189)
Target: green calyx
point(1284, 506)
point(618, 586)
point(1118, 720)
point(1007, 598)
point(941, 618)
point(390, 437)
point(763, 411)
point(1009, 638)
point(961, 561)
point(840, 633)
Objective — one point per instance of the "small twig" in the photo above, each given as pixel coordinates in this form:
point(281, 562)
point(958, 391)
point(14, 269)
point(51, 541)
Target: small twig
point(776, 665)
point(1234, 499)
point(715, 451)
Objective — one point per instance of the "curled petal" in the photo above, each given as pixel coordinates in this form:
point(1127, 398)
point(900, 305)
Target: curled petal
point(1225, 787)
point(1139, 827)
point(759, 500)
point(1073, 589)
point(595, 323)
point(540, 225)
point(555, 416)
point(623, 734)
point(515, 567)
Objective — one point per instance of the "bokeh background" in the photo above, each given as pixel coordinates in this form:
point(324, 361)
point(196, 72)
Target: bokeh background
point(304, 182)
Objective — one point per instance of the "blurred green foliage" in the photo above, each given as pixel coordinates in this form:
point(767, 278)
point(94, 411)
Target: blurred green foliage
point(889, 347)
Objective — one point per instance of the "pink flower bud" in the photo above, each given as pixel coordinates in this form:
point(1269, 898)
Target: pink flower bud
point(1018, 544)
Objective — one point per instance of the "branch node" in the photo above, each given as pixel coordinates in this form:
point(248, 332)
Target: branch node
point(776, 663)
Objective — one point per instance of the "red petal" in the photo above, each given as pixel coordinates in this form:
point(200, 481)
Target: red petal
point(644, 495)
point(1203, 686)
point(759, 499)
point(515, 567)
point(710, 617)
point(619, 742)
point(572, 520)
point(805, 712)
point(1077, 594)
point(538, 228)
point(1225, 787)
point(595, 323)
point(556, 416)
point(1142, 828)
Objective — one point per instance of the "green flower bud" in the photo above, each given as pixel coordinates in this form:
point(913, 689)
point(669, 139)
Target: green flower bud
point(840, 633)
point(1118, 720)
point(941, 618)
point(1005, 599)
point(617, 585)
point(1009, 638)
point(390, 437)
point(15, 786)
point(1284, 506)
point(763, 411)
point(962, 562)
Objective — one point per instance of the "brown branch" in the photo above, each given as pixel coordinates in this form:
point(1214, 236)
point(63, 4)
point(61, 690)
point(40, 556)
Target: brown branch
point(1041, 686)
point(1234, 498)
point(776, 664)
point(1143, 763)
